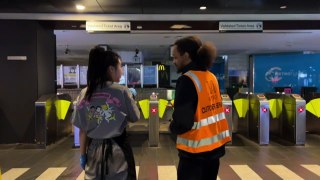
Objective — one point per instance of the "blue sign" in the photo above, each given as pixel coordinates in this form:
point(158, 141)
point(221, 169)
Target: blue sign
point(218, 70)
point(286, 70)
point(149, 75)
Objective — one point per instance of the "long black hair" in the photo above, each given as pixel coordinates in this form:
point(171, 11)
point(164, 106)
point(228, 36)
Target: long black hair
point(99, 61)
point(202, 54)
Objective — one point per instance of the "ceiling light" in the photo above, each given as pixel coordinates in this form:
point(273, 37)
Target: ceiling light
point(180, 26)
point(283, 7)
point(203, 7)
point(80, 7)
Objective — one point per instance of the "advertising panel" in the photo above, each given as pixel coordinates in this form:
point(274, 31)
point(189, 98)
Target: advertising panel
point(218, 69)
point(164, 75)
point(149, 75)
point(134, 75)
point(70, 75)
point(285, 70)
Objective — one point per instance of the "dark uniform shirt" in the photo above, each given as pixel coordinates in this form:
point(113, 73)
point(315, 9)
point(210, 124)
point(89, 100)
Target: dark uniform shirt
point(185, 106)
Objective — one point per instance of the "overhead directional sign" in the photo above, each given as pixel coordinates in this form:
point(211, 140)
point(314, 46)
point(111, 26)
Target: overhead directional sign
point(93, 26)
point(241, 26)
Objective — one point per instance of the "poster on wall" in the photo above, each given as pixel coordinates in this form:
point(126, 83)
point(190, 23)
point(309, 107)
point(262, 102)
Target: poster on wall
point(134, 75)
point(288, 70)
point(70, 75)
point(83, 75)
point(149, 75)
point(218, 69)
point(164, 75)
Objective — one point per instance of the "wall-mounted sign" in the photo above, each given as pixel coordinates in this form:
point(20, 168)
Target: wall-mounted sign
point(285, 72)
point(108, 26)
point(70, 75)
point(241, 26)
point(164, 75)
point(149, 75)
point(161, 67)
point(134, 75)
point(17, 58)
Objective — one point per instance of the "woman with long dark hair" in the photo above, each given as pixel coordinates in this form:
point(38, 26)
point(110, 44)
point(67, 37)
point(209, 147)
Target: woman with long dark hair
point(102, 112)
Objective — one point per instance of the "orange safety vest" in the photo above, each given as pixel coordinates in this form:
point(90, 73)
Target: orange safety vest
point(210, 129)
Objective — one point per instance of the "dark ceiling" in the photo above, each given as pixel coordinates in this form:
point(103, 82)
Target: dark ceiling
point(162, 6)
point(283, 34)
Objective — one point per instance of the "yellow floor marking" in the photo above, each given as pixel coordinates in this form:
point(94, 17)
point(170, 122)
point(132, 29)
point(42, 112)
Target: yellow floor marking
point(51, 173)
point(81, 176)
point(245, 172)
point(313, 168)
point(137, 171)
point(284, 172)
point(167, 172)
point(14, 173)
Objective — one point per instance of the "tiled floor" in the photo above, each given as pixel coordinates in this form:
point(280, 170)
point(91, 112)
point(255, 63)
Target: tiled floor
point(244, 160)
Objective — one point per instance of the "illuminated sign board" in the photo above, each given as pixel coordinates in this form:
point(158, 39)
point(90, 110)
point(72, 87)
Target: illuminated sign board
point(149, 75)
point(70, 75)
point(240, 26)
point(107, 26)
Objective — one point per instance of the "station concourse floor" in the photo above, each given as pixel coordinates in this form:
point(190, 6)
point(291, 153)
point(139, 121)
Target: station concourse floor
point(243, 160)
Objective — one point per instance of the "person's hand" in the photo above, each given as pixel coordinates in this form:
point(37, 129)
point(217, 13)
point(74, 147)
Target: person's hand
point(133, 92)
point(83, 161)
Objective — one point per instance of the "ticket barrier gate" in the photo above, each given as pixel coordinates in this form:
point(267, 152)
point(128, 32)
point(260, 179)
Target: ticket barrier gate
point(287, 117)
point(152, 110)
point(240, 115)
point(252, 116)
point(227, 105)
point(52, 114)
point(153, 125)
point(313, 113)
point(259, 118)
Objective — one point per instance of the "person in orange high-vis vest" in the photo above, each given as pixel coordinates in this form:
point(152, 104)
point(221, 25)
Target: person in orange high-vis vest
point(198, 118)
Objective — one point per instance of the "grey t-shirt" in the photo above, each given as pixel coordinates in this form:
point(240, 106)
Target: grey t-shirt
point(107, 113)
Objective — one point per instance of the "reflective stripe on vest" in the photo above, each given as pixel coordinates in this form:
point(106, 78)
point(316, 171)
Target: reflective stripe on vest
point(195, 78)
point(210, 128)
point(209, 120)
point(205, 141)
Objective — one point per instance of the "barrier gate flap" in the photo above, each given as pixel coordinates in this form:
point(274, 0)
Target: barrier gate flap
point(162, 107)
point(242, 106)
point(275, 107)
point(62, 107)
point(313, 107)
point(145, 105)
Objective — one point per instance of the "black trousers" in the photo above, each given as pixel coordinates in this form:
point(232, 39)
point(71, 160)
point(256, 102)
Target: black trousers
point(127, 150)
point(198, 169)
